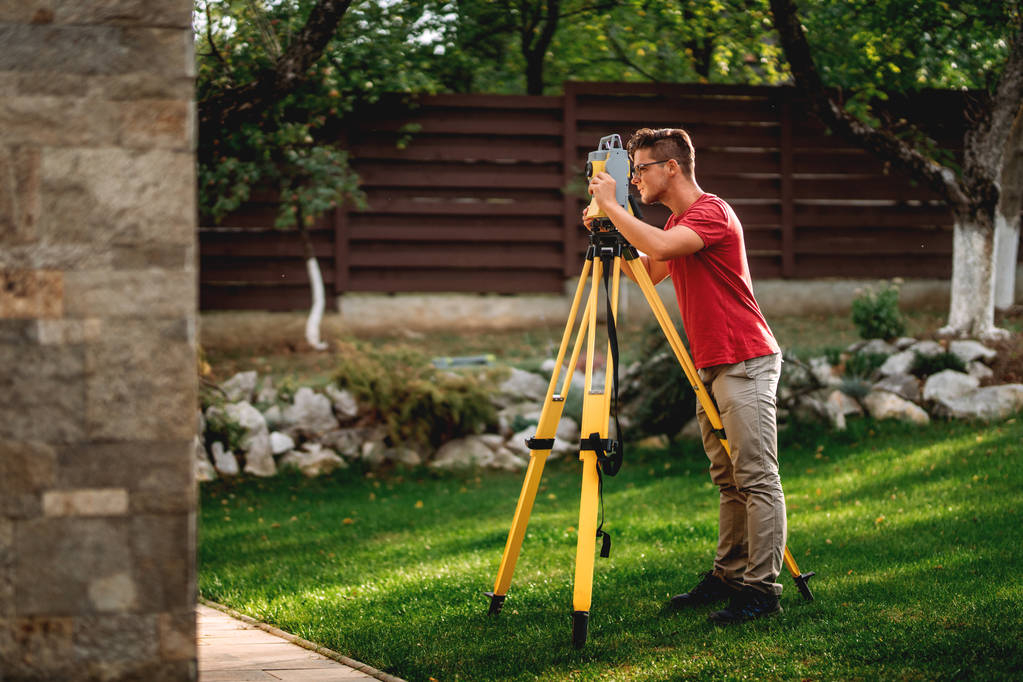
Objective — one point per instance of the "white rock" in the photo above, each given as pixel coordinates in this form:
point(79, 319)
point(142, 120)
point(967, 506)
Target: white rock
point(927, 348)
point(988, 403)
point(506, 460)
point(899, 363)
point(903, 385)
point(968, 351)
point(259, 456)
point(405, 456)
point(904, 342)
point(204, 470)
point(281, 442)
point(824, 372)
point(224, 460)
point(313, 460)
point(463, 453)
point(241, 386)
point(344, 402)
point(979, 370)
point(949, 384)
point(566, 438)
point(246, 416)
point(885, 405)
point(311, 413)
point(878, 347)
point(520, 387)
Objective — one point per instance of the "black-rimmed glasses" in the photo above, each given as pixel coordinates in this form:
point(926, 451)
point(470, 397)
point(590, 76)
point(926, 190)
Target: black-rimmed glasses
point(639, 168)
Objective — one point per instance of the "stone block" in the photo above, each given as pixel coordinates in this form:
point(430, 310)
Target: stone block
point(73, 566)
point(36, 648)
point(6, 573)
point(157, 474)
point(116, 637)
point(141, 382)
point(31, 294)
point(178, 635)
point(42, 393)
point(89, 502)
point(161, 124)
point(104, 197)
point(164, 565)
point(52, 121)
point(19, 193)
point(122, 12)
point(129, 293)
point(26, 469)
point(68, 49)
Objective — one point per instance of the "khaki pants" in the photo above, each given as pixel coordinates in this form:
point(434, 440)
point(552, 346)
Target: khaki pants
point(751, 530)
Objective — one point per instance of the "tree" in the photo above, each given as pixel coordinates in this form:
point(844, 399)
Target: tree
point(274, 76)
point(899, 45)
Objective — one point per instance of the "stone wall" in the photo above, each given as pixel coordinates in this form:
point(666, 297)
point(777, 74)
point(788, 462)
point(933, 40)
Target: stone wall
point(97, 340)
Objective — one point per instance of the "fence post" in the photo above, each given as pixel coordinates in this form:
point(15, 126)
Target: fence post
point(788, 237)
point(569, 213)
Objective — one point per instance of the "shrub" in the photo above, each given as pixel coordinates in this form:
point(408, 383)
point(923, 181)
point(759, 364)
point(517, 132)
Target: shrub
point(417, 403)
point(926, 365)
point(863, 365)
point(875, 312)
point(656, 396)
point(220, 427)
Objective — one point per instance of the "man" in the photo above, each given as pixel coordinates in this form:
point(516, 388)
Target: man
point(701, 248)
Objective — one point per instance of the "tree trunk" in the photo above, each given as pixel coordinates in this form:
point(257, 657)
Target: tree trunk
point(1006, 259)
point(312, 266)
point(1007, 221)
point(971, 306)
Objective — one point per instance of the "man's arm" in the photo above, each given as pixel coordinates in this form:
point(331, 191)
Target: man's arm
point(660, 245)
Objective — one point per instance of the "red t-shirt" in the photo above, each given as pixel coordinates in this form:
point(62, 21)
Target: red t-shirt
point(715, 293)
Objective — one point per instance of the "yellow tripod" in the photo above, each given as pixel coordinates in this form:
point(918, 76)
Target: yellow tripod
point(608, 252)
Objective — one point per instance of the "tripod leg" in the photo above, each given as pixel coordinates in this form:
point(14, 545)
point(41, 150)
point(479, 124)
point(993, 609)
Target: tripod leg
point(642, 277)
point(550, 416)
point(595, 418)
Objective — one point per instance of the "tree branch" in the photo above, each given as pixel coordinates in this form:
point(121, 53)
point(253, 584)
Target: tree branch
point(880, 142)
point(246, 102)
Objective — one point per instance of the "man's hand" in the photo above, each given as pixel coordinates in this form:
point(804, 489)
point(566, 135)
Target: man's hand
point(602, 188)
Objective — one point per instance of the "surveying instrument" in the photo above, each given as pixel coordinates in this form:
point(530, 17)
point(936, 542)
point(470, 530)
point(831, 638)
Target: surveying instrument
point(607, 254)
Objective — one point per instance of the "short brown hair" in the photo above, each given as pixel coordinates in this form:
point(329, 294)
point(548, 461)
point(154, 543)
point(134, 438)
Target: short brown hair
point(666, 143)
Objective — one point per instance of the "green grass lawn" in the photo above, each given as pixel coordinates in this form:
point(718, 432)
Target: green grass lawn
point(915, 535)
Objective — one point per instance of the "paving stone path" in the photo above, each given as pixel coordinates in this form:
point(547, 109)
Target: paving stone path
point(235, 650)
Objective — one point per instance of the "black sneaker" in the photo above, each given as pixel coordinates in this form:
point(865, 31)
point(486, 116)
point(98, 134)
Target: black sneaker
point(747, 604)
point(710, 590)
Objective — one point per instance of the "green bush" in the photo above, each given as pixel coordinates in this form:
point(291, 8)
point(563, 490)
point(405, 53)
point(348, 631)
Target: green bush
point(417, 403)
point(863, 365)
point(875, 312)
point(219, 427)
point(926, 365)
point(657, 397)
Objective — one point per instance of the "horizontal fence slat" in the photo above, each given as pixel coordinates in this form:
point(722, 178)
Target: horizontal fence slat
point(468, 193)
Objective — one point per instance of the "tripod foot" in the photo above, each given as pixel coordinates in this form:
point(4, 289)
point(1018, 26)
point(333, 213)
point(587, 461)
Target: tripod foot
point(496, 602)
point(802, 582)
point(580, 622)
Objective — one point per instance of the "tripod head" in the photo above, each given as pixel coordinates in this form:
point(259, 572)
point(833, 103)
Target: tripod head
point(611, 158)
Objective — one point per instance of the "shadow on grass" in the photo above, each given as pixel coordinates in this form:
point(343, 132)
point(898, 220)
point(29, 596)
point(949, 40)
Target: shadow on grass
point(920, 578)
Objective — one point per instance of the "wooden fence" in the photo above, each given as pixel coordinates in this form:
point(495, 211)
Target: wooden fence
point(485, 194)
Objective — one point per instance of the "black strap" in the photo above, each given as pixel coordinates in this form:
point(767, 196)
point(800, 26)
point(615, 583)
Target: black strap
point(616, 453)
point(535, 443)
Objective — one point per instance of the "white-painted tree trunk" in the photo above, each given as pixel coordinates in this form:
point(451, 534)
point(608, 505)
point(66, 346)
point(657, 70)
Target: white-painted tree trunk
point(312, 324)
point(971, 308)
point(1006, 257)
